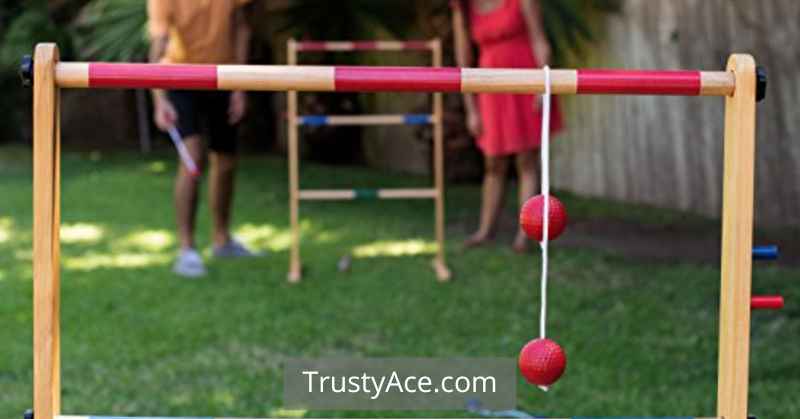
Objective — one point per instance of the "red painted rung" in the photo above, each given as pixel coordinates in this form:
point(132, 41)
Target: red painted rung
point(397, 79)
point(766, 302)
point(655, 82)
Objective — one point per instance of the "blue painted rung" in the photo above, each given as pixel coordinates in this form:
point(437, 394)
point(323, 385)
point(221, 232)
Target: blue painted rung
point(322, 120)
point(417, 119)
point(314, 120)
point(765, 252)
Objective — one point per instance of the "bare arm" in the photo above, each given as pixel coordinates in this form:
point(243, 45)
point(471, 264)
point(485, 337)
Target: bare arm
point(238, 102)
point(158, 48)
point(463, 51)
point(532, 12)
point(243, 34)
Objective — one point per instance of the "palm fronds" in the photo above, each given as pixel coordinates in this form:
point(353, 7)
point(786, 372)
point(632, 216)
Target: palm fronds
point(113, 30)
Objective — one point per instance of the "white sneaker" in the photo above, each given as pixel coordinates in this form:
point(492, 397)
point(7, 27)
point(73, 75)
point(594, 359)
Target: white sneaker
point(234, 249)
point(189, 264)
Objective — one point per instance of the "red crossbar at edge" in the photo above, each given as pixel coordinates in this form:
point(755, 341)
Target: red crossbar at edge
point(112, 75)
point(670, 82)
point(766, 302)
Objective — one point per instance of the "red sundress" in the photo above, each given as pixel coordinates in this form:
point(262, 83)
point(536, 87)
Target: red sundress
point(511, 123)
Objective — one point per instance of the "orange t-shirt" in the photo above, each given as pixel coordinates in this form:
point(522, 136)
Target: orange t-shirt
point(200, 31)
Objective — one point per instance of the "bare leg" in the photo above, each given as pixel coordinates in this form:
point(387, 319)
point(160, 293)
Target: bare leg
point(526, 172)
point(494, 181)
point(221, 185)
point(186, 194)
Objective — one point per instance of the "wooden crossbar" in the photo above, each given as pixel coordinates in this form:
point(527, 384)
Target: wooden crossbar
point(365, 120)
point(358, 78)
point(392, 79)
point(741, 83)
point(363, 46)
point(354, 194)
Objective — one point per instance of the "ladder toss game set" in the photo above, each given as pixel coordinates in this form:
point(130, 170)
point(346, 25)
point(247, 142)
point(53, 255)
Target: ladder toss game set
point(741, 85)
point(295, 121)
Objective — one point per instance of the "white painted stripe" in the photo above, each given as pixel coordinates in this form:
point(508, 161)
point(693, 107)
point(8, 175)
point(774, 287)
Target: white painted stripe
point(375, 46)
point(407, 193)
point(339, 46)
point(276, 78)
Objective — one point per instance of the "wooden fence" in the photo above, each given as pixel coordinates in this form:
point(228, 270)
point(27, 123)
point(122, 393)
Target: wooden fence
point(667, 151)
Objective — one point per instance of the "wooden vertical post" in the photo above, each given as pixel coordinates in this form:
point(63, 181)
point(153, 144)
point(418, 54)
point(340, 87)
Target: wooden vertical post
point(440, 262)
point(46, 225)
point(295, 267)
point(737, 240)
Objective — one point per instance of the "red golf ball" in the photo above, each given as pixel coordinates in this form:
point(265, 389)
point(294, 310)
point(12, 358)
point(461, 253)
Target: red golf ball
point(532, 221)
point(542, 362)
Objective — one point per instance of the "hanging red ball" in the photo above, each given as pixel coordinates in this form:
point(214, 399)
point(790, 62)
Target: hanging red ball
point(532, 221)
point(542, 362)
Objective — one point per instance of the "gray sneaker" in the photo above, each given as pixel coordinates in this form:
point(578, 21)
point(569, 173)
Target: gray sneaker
point(234, 249)
point(189, 264)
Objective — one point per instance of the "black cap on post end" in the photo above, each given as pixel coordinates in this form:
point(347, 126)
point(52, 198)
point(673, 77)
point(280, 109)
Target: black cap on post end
point(28, 414)
point(761, 83)
point(26, 71)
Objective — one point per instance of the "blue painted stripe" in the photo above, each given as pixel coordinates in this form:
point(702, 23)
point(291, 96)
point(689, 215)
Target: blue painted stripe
point(314, 120)
point(417, 119)
point(765, 252)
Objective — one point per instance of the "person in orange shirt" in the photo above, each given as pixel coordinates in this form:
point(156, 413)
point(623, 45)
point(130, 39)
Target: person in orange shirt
point(201, 32)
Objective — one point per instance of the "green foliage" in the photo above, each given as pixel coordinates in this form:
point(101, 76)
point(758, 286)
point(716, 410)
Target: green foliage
point(567, 24)
point(9, 9)
point(23, 28)
point(32, 26)
point(113, 30)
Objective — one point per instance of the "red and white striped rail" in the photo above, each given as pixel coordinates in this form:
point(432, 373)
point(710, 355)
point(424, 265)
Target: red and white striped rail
point(392, 79)
point(319, 46)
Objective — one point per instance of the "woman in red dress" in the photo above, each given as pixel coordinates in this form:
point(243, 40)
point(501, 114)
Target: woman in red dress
point(509, 34)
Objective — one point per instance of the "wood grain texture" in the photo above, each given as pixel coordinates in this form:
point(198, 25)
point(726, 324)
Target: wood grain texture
point(46, 224)
point(737, 241)
point(275, 78)
point(440, 262)
point(295, 266)
point(72, 75)
point(564, 82)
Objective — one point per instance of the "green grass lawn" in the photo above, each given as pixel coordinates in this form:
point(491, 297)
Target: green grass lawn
point(641, 338)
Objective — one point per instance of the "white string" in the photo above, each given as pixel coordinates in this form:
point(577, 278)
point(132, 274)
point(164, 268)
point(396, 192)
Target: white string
point(545, 193)
point(183, 152)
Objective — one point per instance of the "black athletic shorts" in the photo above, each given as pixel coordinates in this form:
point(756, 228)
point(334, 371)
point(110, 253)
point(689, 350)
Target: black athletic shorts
point(201, 111)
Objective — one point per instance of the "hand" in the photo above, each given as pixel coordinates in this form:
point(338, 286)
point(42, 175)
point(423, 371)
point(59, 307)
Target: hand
point(474, 124)
point(237, 107)
point(165, 115)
